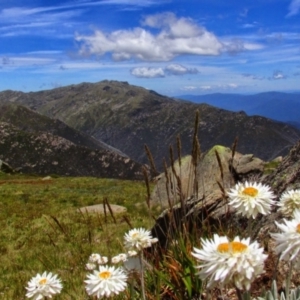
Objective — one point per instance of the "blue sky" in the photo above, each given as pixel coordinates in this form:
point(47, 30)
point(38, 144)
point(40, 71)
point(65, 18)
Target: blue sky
point(173, 47)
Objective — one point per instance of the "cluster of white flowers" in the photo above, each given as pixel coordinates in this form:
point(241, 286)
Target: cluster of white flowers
point(109, 280)
point(239, 262)
point(222, 261)
point(251, 198)
point(95, 260)
point(104, 281)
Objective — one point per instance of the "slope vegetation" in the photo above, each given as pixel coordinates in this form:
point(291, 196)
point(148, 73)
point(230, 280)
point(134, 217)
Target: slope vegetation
point(128, 117)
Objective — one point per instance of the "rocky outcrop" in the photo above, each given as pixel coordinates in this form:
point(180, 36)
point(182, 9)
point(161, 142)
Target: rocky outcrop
point(217, 172)
point(209, 208)
point(6, 168)
point(217, 167)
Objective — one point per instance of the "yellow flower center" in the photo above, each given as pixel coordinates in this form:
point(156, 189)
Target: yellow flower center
point(250, 191)
point(298, 228)
point(43, 281)
point(104, 274)
point(135, 235)
point(235, 247)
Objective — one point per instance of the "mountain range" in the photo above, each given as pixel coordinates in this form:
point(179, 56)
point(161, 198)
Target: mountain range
point(279, 106)
point(124, 118)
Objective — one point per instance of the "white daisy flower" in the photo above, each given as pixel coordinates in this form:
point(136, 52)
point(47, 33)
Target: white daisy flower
point(115, 260)
point(45, 285)
point(90, 266)
point(123, 257)
point(238, 262)
point(289, 202)
point(250, 199)
point(95, 258)
point(106, 282)
point(137, 239)
point(103, 260)
point(132, 253)
point(288, 241)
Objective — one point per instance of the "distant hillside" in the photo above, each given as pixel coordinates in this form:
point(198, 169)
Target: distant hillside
point(44, 153)
point(28, 120)
point(128, 117)
point(279, 106)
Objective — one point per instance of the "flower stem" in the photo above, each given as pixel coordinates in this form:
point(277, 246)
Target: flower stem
point(142, 275)
point(288, 282)
point(239, 293)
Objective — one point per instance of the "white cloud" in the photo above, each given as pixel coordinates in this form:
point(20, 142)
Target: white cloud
point(176, 69)
point(232, 85)
point(248, 25)
point(206, 87)
point(294, 8)
point(237, 45)
point(278, 75)
point(189, 88)
point(15, 62)
point(252, 76)
point(148, 72)
point(177, 36)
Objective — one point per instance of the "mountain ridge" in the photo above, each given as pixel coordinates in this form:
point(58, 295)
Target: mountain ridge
point(278, 106)
point(128, 117)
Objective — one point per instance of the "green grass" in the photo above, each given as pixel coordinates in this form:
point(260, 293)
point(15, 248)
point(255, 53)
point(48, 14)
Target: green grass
point(42, 230)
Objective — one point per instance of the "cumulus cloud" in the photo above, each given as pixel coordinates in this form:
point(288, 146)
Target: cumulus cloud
point(172, 69)
point(278, 75)
point(176, 36)
point(294, 8)
point(177, 69)
point(148, 72)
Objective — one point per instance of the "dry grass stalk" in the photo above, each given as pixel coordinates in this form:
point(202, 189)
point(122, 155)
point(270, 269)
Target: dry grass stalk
point(167, 184)
point(151, 161)
point(220, 164)
point(147, 186)
point(110, 210)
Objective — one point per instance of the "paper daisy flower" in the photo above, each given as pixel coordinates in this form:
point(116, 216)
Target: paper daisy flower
point(90, 266)
point(137, 239)
point(238, 262)
point(94, 258)
point(131, 253)
point(45, 285)
point(115, 260)
point(106, 282)
point(289, 202)
point(288, 241)
point(103, 260)
point(250, 199)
